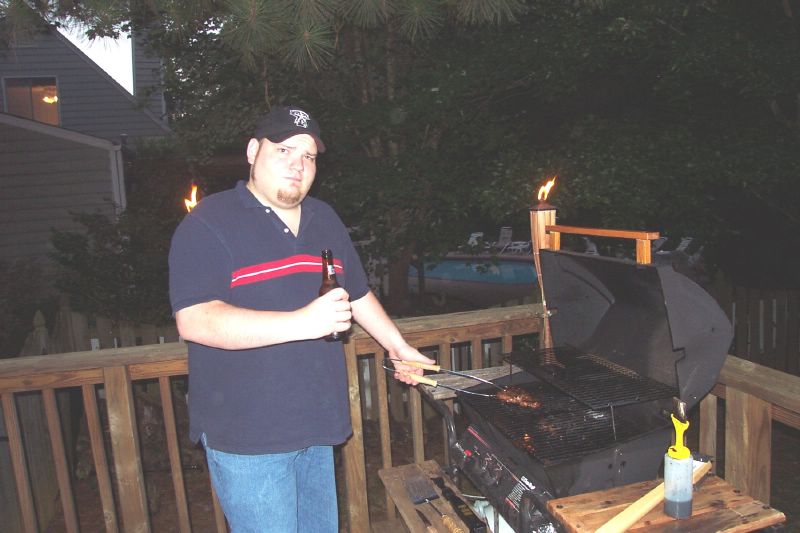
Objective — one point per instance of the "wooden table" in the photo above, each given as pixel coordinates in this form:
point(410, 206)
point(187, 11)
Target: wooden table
point(393, 480)
point(716, 507)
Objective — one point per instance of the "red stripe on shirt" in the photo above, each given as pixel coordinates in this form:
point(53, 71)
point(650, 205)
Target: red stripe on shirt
point(295, 264)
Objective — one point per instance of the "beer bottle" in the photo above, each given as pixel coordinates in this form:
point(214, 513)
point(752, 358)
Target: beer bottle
point(329, 283)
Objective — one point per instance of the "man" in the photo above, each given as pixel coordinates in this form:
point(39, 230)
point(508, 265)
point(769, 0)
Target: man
point(267, 395)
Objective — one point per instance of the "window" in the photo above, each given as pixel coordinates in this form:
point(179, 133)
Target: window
point(33, 98)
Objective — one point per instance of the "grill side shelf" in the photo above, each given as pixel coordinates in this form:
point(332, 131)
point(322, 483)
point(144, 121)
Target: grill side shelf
point(590, 379)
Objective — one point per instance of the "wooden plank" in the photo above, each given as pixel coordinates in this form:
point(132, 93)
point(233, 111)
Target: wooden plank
point(554, 241)
point(600, 232)
point(768, 384)
point(146, 333)
point(219, 516)
point(643, 255)
point(176, 466)
point(750, 516)
point(60, 461)
point(507, 343)
point(106, 332)
point(126, 450)
point(44, 380)
point(461, 327)
point(779, 413)
point(18, 462)
point(708, 428)
point(157, 369)
point(714, 502)
point(444, 355)
point(385, 431)
point(99, 456)
point(740, 323)
point(375, 372)
point(78, 368)
point(755, 325)
point(417, 432)
point(127, 333)
point(748, 443)
point(353, 451)
point(394, 481)
point(476, 352)
point(777, 336)
point(444, 360)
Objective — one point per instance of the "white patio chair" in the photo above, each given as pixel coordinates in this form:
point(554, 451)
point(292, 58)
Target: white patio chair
point(504, 239)
point(519, 247)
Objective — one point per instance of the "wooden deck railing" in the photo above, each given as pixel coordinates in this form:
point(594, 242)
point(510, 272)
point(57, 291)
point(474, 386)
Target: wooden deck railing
point(754, 397)
point(122, 484)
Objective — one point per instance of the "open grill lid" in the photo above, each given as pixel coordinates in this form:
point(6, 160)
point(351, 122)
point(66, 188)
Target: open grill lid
point(646, 318)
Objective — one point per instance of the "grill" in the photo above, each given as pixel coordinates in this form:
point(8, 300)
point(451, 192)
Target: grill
point(628, 338)
point(589, 378)
point(562, 429)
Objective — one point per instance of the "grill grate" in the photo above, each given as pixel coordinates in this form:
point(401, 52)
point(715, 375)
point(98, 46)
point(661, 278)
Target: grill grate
point(561, 429)
point(593, 380)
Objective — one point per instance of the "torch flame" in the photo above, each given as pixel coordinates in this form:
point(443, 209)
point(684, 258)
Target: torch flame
point(544, 190)
point(190, 203)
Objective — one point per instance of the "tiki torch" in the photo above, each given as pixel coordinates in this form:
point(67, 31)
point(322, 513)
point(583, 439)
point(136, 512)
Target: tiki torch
point(542, 215)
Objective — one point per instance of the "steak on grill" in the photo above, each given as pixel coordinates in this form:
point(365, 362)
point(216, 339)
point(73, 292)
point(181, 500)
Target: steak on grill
point(518, 396)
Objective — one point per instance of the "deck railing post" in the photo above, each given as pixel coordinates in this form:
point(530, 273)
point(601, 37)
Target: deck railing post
point(748, 443)
point(19, 464)
point(708, 428)
point(353, 450)
point(125, 446)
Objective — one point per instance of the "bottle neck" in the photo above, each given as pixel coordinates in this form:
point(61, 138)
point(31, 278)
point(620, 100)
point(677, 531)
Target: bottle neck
point(328, 270)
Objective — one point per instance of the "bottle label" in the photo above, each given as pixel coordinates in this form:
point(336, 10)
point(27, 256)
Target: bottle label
point(331, 270)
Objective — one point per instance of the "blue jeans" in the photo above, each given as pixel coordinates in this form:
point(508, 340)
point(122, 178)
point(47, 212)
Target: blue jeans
point(293, 492)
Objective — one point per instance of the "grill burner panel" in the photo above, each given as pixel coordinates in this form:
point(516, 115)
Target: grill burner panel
point(560, 430)
point(595, 381)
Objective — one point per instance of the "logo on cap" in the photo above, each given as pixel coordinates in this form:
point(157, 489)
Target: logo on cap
point(300, 117)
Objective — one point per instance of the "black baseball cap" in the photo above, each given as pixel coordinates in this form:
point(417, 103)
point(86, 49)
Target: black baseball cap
point(284, 122)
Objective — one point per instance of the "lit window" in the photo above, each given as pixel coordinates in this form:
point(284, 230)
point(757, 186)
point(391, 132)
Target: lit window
point(33, 98)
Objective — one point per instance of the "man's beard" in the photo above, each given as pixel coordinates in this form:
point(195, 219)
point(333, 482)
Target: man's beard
point(287, 197)
point(290, 197)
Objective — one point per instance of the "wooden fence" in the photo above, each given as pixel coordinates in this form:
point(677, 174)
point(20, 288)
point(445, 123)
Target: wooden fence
point(766, 325)
point(71, 332)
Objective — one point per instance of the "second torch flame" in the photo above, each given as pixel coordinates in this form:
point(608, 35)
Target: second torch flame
point(544, 190)
point(191, 202)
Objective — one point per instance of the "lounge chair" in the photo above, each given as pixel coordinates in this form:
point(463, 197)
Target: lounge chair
point(503, 240)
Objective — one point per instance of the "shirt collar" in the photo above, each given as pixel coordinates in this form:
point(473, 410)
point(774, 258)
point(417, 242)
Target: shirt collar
point(247, 198)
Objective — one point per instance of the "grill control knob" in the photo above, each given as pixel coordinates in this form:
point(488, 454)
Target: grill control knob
point(468, 457)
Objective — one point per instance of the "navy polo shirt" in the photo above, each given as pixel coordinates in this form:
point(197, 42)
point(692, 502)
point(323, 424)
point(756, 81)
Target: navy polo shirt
point(277, 398)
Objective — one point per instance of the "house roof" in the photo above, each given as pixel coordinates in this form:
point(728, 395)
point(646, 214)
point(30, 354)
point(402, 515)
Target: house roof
point(69, 44)
point(56, 131)
point(90, 100)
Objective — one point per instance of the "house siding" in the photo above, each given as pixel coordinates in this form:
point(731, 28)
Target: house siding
point(44, 179)
point(90, 101)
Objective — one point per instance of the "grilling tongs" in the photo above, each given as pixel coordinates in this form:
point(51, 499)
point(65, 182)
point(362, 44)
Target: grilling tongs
point(437, 368)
